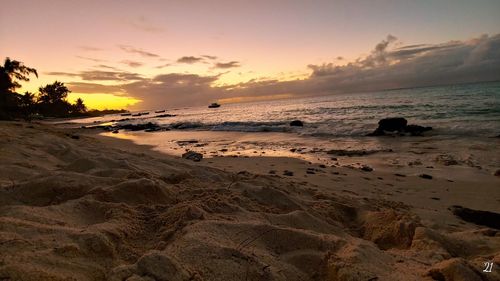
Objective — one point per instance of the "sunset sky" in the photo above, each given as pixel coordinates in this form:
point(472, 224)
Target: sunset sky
point(154, 54)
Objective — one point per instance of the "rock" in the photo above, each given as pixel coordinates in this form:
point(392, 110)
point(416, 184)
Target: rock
point(398, 125)
point(366, 168)
point(497, 173)
point(194, 156)
point(416, 130)
point(115, 132)
point(186, 142)
point(165, 115)
point(75, 137)
point(446, 160)
point(140, 127)
point(296, 123)
point(288, 173)
point(426, 176)
point(153, 129)
point(351, 153)
point(485, 218)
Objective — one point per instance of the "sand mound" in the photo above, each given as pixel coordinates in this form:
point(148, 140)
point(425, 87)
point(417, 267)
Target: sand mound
point(85, 211)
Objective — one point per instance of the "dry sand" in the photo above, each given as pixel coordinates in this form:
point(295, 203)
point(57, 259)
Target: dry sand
point(74, 206)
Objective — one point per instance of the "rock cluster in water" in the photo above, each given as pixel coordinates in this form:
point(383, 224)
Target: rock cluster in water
point(398, 125)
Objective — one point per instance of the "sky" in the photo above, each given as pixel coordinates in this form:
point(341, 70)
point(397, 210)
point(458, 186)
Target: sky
point(161, 54)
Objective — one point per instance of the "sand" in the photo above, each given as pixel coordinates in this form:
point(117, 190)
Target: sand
point(78, 206)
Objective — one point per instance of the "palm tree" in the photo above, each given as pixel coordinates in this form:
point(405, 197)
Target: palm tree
point(9, 100)
point(13, 69)
point(79, 106)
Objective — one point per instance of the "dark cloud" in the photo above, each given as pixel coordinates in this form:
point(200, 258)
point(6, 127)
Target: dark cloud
point(106, 66)
point(109, 76)
point(132, 63)
point(189, 59)
point(90, 59)
point(98, 75)
point(174, 89)
point(58, 73)
point(210, 57)
point(225, 65)
point(93, 88)
point(132, 50)
point(163, 65)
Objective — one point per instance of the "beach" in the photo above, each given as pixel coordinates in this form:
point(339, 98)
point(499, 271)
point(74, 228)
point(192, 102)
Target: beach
point(83, 204)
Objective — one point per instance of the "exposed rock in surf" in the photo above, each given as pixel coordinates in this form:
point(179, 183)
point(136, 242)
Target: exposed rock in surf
point(485, 218)
point(296, 123)
point(194, 156)
point(398, 125)
point(416, 130)
point(140, 127)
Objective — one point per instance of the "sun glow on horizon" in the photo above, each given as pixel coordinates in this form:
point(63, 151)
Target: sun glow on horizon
point(104, 101)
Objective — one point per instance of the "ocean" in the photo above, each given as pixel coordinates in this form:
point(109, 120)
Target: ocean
point(460, 110)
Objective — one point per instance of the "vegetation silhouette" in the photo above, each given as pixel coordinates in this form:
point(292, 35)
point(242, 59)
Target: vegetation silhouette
point(51, 100)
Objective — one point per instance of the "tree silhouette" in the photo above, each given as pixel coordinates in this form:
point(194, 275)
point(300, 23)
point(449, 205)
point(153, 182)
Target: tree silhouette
point(13, 69)
point(9, 99)
point(52, 100)
point(53, 93)
point(79, 106)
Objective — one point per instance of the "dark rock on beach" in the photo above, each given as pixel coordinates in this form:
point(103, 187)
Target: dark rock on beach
point(485, 218)
point(194, 156)
point(140, 127)
point(351, 153)
point(366, 168)
point(398, 125)
point(426, 176)
point(296, 123)
point(165, 115)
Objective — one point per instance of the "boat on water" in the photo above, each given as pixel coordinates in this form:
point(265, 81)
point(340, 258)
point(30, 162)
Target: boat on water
point(214, 105)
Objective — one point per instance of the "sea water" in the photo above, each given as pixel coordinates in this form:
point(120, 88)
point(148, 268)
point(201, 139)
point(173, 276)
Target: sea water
point(461, 110)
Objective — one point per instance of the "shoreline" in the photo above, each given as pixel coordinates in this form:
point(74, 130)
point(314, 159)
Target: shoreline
point(97, 208)
point(423, 154)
